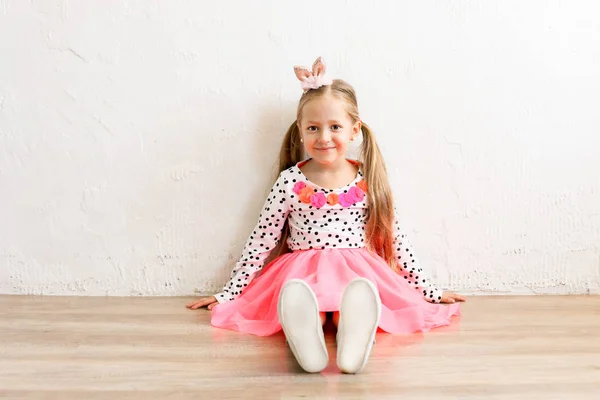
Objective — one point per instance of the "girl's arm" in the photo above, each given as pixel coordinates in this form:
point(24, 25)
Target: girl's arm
point(261, 242)
point(409, 266)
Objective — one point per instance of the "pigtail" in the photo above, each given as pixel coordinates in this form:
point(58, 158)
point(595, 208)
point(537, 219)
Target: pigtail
point(380, 213)
point(291, 151)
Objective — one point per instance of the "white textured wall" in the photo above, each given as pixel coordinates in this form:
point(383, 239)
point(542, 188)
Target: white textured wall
point(137, 138)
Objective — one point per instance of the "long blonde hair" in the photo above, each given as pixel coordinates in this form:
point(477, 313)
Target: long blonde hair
point(380, 212)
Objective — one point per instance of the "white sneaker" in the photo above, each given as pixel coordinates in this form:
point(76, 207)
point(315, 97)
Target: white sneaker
point(301, 322)
point(360, 310)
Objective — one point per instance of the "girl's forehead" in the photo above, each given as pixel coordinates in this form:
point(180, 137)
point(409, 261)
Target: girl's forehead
point(324, 107)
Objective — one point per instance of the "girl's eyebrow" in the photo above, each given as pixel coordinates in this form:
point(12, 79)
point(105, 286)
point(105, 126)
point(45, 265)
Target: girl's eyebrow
point(333, 121)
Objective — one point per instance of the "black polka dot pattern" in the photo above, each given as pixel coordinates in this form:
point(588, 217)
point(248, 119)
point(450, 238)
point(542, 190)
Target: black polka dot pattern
point(409, 267)
point(329, 226)
point(262, 241)
point(314, 225)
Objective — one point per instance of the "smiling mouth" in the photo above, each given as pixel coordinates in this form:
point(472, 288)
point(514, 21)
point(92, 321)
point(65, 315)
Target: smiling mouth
point(326, 148)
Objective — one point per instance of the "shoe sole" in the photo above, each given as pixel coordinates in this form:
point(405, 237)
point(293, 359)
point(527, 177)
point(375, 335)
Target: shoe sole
point(299, 316)
point(360, 311)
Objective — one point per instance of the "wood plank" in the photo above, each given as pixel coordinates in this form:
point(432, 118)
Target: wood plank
point(502, 347)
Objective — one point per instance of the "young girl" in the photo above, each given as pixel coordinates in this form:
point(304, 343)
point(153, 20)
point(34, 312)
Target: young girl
point(341, 249)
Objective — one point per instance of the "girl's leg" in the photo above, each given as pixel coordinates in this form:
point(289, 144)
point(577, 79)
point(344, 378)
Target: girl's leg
point(336, 318)
point(323, 318)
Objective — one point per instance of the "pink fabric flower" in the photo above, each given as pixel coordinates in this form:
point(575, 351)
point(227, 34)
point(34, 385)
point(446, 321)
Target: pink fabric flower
point(344, 200)
point(356, 194)
point(298, 187)
point(318, 200)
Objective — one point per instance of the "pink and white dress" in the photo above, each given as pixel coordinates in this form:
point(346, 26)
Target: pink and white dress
point(327, 240)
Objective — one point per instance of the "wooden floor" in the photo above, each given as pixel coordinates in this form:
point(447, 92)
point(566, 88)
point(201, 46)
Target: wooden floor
point(155, 348)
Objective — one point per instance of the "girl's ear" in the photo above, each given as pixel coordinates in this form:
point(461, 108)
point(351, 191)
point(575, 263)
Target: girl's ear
point(299, 131)
point(356, 129)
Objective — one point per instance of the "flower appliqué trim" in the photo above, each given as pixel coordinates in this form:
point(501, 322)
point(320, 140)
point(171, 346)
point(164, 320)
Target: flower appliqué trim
point(308, 194)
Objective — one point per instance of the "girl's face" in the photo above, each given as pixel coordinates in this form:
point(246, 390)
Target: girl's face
point(326, 129)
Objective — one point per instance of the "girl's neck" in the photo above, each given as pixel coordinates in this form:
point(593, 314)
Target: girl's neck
point(330, 176)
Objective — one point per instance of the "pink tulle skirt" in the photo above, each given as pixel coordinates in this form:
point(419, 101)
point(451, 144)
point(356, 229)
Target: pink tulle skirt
point(328, 272)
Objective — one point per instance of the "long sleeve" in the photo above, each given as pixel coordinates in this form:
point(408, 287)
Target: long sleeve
point(410, 268)
point(262, 241)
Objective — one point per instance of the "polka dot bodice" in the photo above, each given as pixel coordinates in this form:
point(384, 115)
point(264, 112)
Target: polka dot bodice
point(318, 218)
point(337, 221)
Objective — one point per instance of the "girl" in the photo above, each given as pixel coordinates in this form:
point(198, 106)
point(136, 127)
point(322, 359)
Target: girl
point(341, 250)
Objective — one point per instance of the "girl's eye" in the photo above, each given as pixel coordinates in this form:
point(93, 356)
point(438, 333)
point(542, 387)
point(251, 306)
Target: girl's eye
point(312, 128)
point(336, 127)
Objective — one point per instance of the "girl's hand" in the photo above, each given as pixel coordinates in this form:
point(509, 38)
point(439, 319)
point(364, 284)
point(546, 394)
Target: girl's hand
point(449, 298)
point(209, 301)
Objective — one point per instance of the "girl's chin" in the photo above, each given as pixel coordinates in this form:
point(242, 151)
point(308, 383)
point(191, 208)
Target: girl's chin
point(327, 159)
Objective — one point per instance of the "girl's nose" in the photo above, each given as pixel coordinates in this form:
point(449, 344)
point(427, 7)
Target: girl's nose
point(325, 135)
